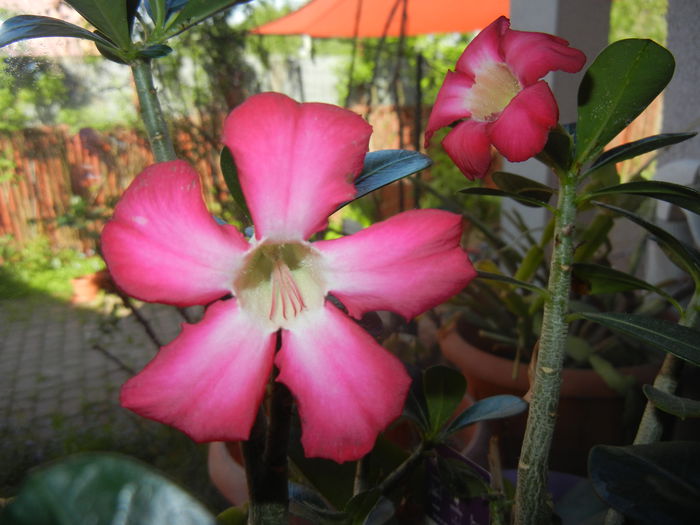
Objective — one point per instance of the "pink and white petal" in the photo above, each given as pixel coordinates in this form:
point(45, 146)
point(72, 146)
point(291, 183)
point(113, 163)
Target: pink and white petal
point(486, 47)
point(450, 104)
point(469, 147)
point(210, 380)
point(348, 388)
point(532, 55)
point(296, 162)
point(162, 245)
point(407, 264)
point(522, 129)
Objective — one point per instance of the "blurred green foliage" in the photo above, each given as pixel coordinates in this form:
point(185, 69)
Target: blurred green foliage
point(638, 19)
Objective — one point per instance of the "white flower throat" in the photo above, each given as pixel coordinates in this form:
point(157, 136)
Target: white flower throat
point(494, 87)
point(279, 282)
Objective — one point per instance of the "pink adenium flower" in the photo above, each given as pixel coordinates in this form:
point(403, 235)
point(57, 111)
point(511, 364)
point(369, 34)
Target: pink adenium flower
point(498, 98)
point(296, 163)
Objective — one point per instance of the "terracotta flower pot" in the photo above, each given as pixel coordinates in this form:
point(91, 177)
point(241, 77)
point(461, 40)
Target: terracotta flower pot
point(590, 412)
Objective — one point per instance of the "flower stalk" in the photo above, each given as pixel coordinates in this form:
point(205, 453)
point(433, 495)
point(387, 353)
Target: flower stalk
point(151, 112)
point(531, 503)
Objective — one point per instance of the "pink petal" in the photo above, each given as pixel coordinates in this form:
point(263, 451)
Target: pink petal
point(407, 264)
point(522, 129)
point(450, 104)
point(486, 47)
point(296, 162)
point(469, 147)
point(210, 380)
point(532, 55)
point(347, 387)
point(162, 245)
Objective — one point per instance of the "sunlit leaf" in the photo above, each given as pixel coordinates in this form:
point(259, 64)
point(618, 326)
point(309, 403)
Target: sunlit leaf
point(676, 339)
point(681, 407)
point(650, 484)
point(24, 27)
point(618, 86)
point(102, 489)
point(108, 16)
point(197, 10)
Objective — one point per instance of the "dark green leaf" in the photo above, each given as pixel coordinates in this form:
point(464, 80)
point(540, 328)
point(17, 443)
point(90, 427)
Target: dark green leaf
point(596, 279)
point(681, 407)
point(197, 10)
point(494, 407)
point(638, 147)
point(557, 151)
point(108, 16)
point(132, 6)
point(510, 280)
point(512, 183)
point(618, 86)
point(670, 337)
point(155, 51)
point(444, 390)
point(24, 27)
point(522, 199)
point(682, 254)
point(415, 407)
point(682, 196)
point(230, 173)
point(386, 166)
point(102, 489)
point(650, 484)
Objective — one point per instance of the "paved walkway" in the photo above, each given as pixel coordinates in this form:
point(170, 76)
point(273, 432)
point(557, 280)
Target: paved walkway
point(61, 367)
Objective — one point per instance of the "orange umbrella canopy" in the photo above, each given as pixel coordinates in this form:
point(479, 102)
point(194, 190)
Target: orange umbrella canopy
point(377, 18)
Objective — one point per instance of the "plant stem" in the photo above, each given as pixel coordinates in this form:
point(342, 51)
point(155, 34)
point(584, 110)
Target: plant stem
point(265, 455)
point(531, 500)
point(151, 112)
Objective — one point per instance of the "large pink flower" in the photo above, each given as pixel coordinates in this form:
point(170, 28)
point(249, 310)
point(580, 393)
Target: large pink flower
point(296, 163)
point(498, 97)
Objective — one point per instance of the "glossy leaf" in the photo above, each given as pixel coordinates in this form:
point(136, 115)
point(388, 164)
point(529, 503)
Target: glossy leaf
point(681, 407)
point(168, 7)
point(521, 198)
point(650, 484)
point(24, 27)
point(638, 147)
point(230, 173)
point(444, 389)
point(682, 254)
point(682, 196)
point(386, 166)
point(593, 279)
point(108, 17)
point(494, 407)
point(102, 489)
point(618, 86)
point(678, 340)
point(197, 10)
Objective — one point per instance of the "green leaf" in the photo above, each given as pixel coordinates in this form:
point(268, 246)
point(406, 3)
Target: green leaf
point(593, 279)
point(155, 51)
point(682, 196)
point(676, 339)
point(415, 407)
point(444, 390)
point(680, 253)
point(557, 151)
point(681, 407)
point(638, 147)
point(230, 173)
point(618, 86)
point(494, 407)
point(619, 382)
point(24, 27)
point(197, 10)
point(510, 182)
point(510, 280)
point(108, 16)
point(522, 199)
point(386, 166)
point(102, 489)
point(650, 484)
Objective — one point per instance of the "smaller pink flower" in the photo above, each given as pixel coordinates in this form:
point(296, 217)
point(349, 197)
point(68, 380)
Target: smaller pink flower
point(499, 98)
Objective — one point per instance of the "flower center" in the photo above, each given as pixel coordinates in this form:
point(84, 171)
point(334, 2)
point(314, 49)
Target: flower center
point(494, 87)
point(279, 282)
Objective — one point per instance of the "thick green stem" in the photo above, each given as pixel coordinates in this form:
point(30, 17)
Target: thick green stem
point(151, 112)
point(531, 499)
point(265, 455)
